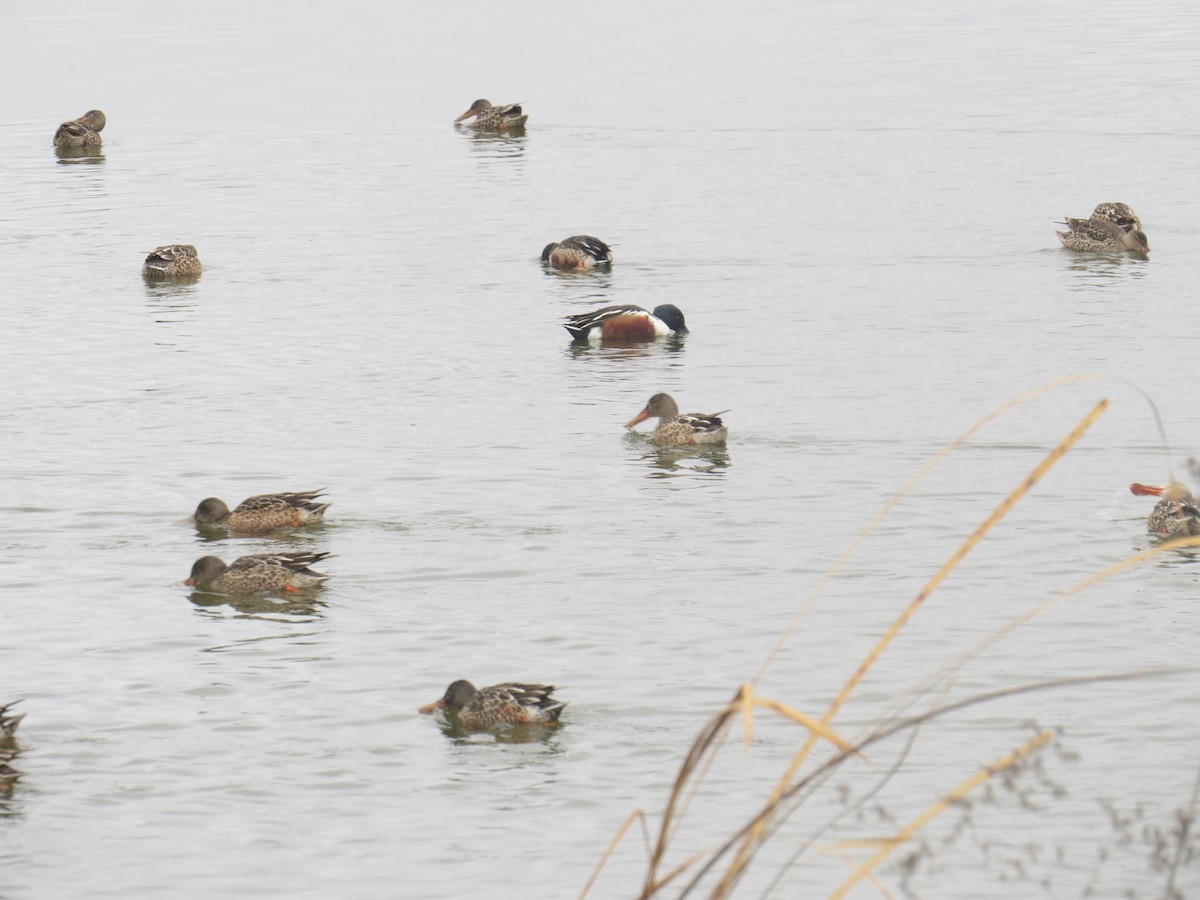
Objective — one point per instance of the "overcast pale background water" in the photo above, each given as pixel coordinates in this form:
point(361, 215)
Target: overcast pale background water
point(853, 204)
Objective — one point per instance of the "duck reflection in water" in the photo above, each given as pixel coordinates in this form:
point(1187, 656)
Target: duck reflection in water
point(1100, 272)
point(178, 292)
point(269, 609)
point(678, 462)
point(454, 729)
point(85, 156)
point(497, 144)
point(605, 349)
point(172, 303)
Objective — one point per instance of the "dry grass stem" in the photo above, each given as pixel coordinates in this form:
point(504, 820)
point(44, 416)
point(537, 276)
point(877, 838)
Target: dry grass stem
point(870, 878)
point(636, 816)
point(938, 808)
point(1014, 497)
point(951, 667)
point(814, 727)
point(1186, 817)
point(890, 731)
point(883, 513)
point(791, 790)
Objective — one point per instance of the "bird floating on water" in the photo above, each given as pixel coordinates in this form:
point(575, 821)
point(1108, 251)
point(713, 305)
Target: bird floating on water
point(676, 429)
point(83, 132)
point(1175, 514)
point(580, 251)
point(1111, 228)
point(263, 513)
point(259, 573)
point(499, 704)
point(172, 261)
point(506, 117)
point(627, 323)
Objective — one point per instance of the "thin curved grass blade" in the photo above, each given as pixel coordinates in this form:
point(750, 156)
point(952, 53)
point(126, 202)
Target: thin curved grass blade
point(1004, 507)
point(939, 807)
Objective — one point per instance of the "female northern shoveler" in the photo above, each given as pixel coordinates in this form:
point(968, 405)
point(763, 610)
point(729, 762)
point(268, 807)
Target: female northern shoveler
point(627, 323)
point(261, 572)
point(675, 429)
point(172, 261)
point(8, 724)
point(517, 704)
point(1109, 230)
point(1119, 214)
point(495, 118)
point(263, 513)
point(1176, 514)
point(81, 132)
point(581, 251)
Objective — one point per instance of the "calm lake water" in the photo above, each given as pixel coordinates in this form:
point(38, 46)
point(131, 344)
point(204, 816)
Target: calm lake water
point(853, 204)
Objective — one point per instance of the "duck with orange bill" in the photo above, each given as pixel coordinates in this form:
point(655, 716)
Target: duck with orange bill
point(676, 429)
point(505, 117)
point(1175, 514)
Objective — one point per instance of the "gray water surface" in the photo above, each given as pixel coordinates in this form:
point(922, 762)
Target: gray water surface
point(853, 205)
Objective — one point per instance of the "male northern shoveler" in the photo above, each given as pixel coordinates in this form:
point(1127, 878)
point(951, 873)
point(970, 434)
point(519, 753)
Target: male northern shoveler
point(263, 513)
point(581, 251)
point(675, 429)
point(516, 704)
point(8, 724)
point(1108, 230)
point(1119, 214)
point(172, 261)
point(254, 574)
point(627, 323)
point(81, 132)
point(1176, 514)
point(507, 117)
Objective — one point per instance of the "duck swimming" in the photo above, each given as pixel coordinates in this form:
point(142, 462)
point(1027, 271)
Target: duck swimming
point(627, 323)
point(499, 704)
point(581, 251)
point(1175, 515)
point(507, 117)
point(261, 572)
point(675, 429)
point(83, 132)
point(263, 513)
point(172, 261)
point(1111, 228)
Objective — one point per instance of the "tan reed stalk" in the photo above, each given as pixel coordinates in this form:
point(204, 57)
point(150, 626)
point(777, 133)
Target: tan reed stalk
point(939, 807)
point(1103, 575)
point(636, 816)
point(707, 744)
point(882, 734)
point(850, 550)
point(1014, 497)
point(710, 740)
